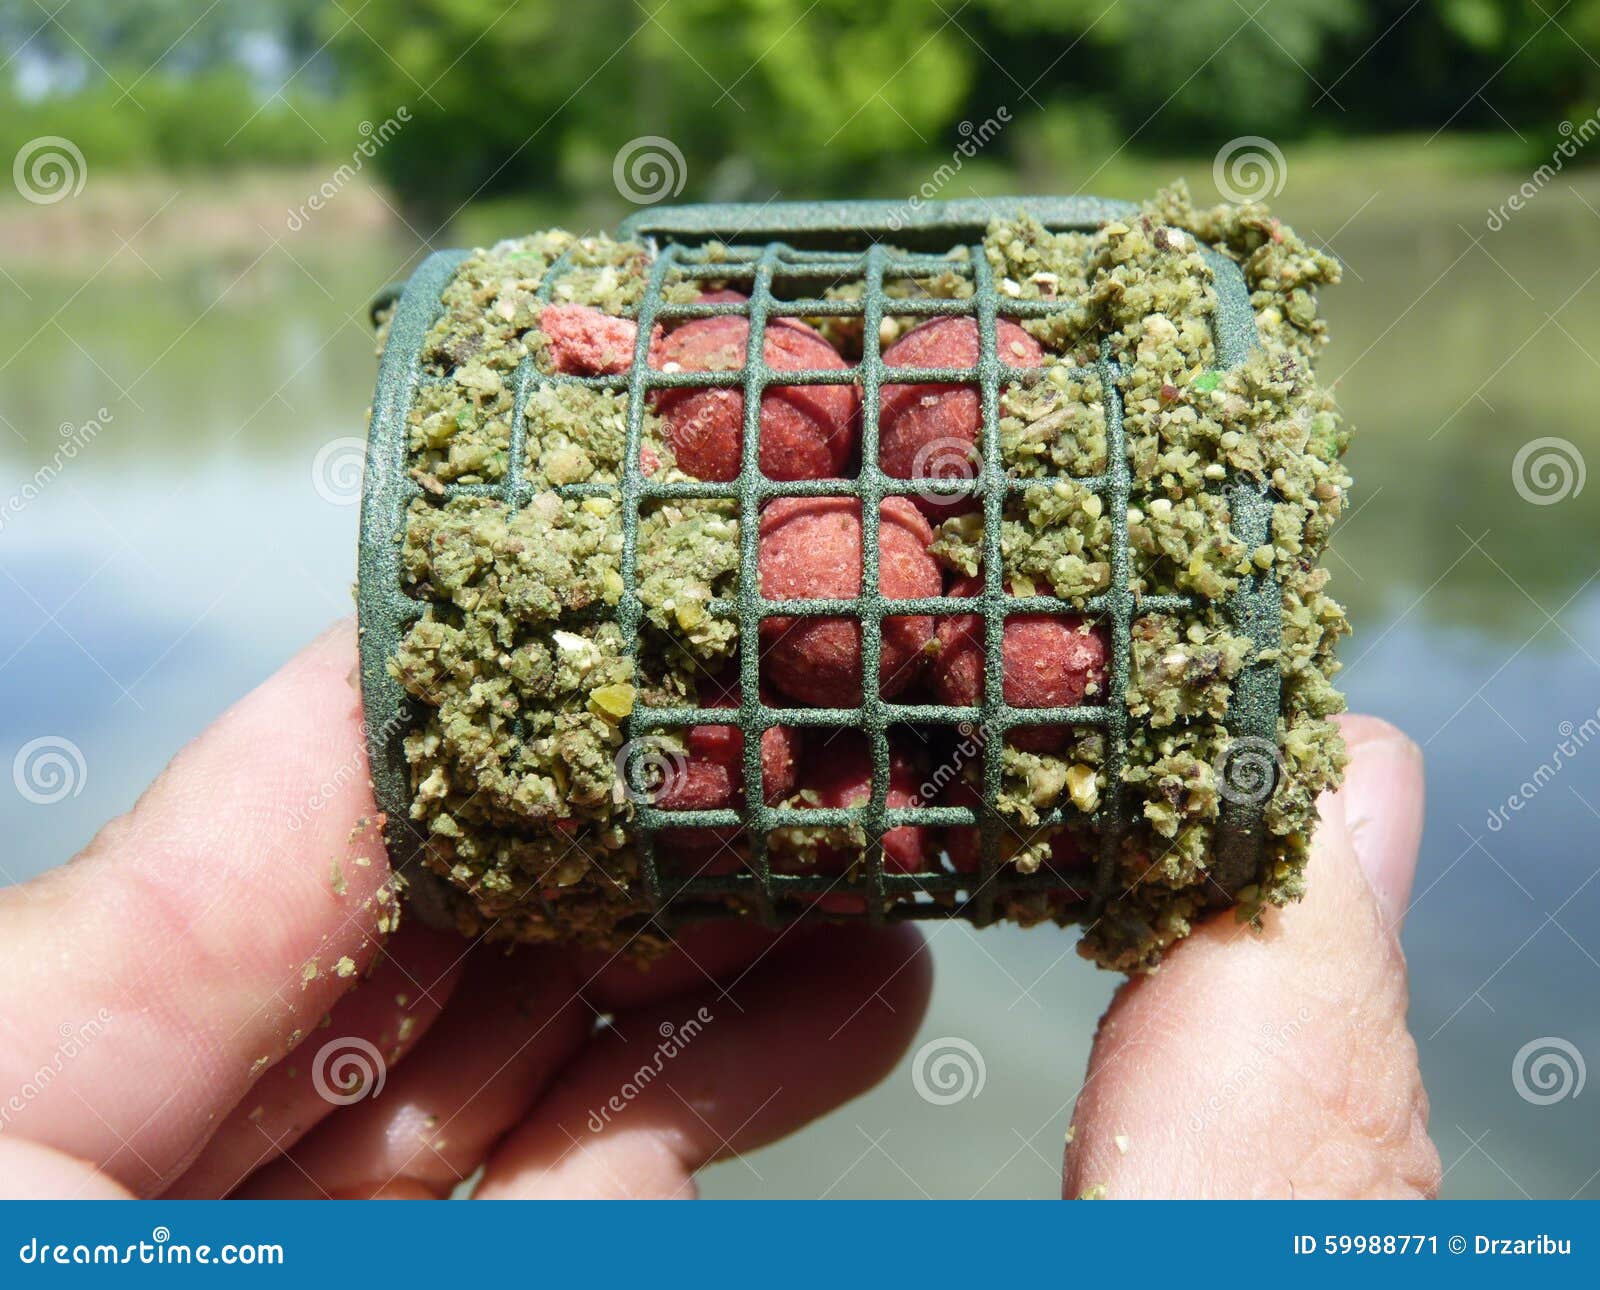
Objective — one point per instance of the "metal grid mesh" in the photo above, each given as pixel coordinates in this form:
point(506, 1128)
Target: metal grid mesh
point(776, 897)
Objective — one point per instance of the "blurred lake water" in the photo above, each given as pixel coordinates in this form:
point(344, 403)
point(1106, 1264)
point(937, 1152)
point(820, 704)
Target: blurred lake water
point(183, 552)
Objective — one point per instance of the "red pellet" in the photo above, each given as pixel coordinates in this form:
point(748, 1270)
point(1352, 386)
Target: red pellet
point(810, 548)
point(807, 431)
point(839, 773)
point(780, 745)
point(1051, 661)
point(586, 342)
point(841, 776)
point(712, 778)
point(931, 431)
point(963, 844)
point(697, 784)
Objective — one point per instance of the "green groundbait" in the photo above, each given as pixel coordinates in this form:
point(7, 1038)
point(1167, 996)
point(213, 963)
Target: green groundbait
point(782, 256)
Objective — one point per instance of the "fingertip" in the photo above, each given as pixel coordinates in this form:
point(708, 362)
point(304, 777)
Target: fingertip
point(1383, 806)
point(698, 955)
point(813, 1024)
point(334, 647)
point(913, 981)
point(1278, 1062)
point(1359, 728)
point(32, 1171)
point(878, 981)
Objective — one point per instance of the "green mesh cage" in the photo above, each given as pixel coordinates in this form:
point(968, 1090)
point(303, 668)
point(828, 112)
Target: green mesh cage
point(778, 254)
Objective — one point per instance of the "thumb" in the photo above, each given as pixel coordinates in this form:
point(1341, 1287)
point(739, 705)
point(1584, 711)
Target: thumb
point(1277, 1063)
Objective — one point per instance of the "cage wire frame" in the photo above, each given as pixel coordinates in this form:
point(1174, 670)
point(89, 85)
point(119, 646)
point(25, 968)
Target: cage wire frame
point(796, 244)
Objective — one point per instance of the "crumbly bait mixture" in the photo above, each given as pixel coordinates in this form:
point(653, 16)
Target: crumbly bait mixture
point(526, 680)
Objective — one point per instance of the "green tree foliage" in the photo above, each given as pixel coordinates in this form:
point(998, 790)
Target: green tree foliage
point(167, 83)
point(216, 120)
point(1217, 66)
point(790, 94)
point(803, 97)
point(144, 38)
point(1530, 55)
point(542, 94)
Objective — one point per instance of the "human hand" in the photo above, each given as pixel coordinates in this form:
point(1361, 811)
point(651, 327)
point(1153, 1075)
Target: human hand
point(213, 934)
point(1278, 1064)
point(162, 1005)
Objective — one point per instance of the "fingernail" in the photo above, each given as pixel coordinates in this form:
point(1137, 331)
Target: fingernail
point(1383, 801)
